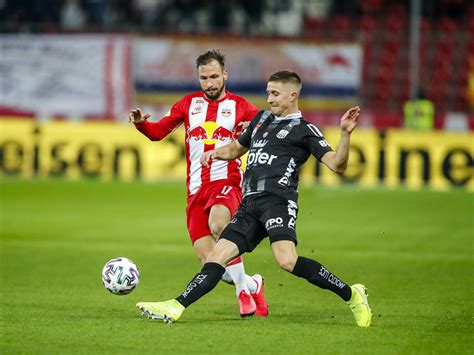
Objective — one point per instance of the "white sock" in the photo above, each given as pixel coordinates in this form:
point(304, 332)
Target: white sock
point(237, 272)
point(251, 284)
point(227, 278)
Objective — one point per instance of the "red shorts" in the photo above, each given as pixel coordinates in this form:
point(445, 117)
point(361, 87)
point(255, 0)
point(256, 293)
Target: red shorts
point(199, 205)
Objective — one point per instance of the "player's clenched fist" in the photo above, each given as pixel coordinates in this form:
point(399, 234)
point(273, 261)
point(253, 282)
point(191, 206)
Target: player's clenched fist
point(136, 116)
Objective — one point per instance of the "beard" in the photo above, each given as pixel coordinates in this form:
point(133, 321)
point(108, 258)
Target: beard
point(214, 95)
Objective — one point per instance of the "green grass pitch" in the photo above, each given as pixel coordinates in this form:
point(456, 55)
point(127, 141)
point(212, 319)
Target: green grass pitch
point(413, 250)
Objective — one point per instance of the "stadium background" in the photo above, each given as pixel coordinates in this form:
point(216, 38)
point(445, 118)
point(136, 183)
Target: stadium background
point(72, 169)
point(86, 63)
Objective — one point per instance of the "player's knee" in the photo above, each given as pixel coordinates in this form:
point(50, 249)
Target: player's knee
point(222, 253)
point(287, 263)
point(202, 259)
point(213, 257)
point(217, 228)
point(202, 256)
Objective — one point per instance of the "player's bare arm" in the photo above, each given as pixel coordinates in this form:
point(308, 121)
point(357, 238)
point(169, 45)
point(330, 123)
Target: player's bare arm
point(337, 161)
point(136, 116)
point(227, 152)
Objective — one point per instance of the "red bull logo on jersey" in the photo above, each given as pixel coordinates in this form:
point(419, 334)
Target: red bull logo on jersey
point(226, 112)
point(209, 133)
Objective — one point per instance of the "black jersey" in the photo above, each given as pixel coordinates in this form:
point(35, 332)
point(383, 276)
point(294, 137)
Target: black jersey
point(278, 148)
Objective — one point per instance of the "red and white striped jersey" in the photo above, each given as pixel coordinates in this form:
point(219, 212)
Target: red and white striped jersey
point(208, 125)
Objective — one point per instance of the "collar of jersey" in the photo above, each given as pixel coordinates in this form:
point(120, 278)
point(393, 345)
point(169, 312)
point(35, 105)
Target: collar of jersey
point(289, 117)
point(218, 101)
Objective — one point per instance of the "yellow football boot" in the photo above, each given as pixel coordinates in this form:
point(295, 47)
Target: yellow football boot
point(360, 306)
point(168, 311)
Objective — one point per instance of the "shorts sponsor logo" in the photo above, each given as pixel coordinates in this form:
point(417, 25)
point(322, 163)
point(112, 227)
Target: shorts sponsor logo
point(274, 223)
point(292, 212)
point(292, 223)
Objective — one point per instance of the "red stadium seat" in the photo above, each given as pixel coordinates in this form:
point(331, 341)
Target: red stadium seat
point(366, 27)
point(447, 26)
point(398, 10)
point(443, 58)
point(426, 26)
point(312, 26)
point(366, 24)
point(395, 24)
point(339, 28)
point(470, 26)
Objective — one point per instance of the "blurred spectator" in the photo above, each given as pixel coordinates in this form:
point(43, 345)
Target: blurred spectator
point(147, 11)
point(96, 12)
point(221, 15)
point(254, 17)
point(380, 26)
point(72, 15)
point(317, 9)
point(283, 18)
point(419, 113)
point(45, 12)
point(435, 9)
point(253, 11)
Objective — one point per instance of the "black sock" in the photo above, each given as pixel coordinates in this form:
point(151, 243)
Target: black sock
point(318, 275)
point(202, 283)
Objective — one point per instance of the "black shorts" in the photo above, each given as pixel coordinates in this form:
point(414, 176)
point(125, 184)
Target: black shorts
point(259, 216)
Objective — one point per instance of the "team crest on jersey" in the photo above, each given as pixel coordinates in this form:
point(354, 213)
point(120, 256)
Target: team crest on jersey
point(282, 134)
point(226, 112)
point(265, 134)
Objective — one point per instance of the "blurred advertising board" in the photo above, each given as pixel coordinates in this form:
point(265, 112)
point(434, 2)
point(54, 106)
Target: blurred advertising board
point(164, 69)
point(107, 150)
point(65, 75)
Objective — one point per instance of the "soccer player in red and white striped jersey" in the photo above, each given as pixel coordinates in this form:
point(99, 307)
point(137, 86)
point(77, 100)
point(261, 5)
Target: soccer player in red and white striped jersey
point(212, 118)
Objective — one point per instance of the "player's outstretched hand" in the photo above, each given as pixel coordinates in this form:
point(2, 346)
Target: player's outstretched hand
point(350, 119)
point(241, 127)
point(207, 157)
point(136, 116)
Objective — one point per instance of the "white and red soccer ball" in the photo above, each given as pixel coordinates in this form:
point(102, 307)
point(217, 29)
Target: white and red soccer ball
point(120, 276)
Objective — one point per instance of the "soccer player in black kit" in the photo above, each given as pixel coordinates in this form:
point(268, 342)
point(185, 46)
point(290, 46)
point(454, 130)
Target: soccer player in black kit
point(280, 141)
